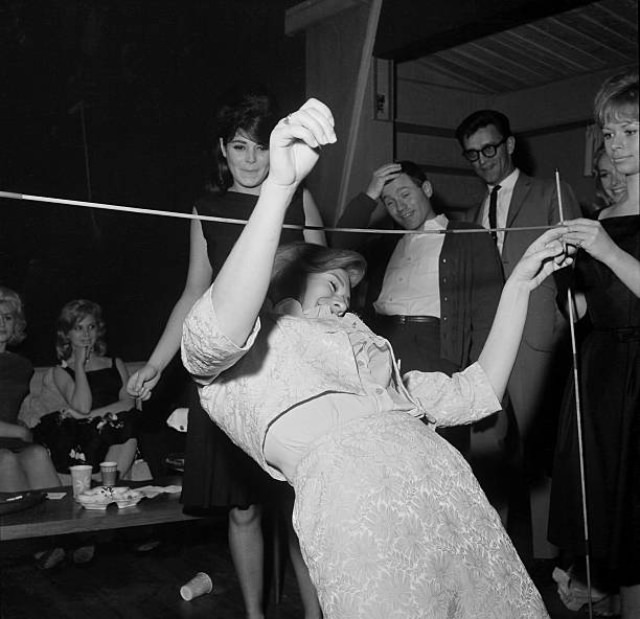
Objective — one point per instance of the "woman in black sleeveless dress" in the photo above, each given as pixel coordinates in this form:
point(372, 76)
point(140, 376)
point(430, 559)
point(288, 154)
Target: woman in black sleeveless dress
point(608, 274)
point(217, 473)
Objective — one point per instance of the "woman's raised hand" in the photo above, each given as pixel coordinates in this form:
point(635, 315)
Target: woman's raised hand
point(81, 355)
point(590, 236)
point(548, 253)
point(296, 141)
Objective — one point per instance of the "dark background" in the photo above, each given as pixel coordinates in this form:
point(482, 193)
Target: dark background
point(137, 82)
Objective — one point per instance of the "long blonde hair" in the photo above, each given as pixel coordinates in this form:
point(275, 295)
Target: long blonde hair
point(12, 300)
point(70, 315)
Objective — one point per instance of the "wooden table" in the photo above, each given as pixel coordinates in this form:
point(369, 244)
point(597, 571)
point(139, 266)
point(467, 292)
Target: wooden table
point(64, 516)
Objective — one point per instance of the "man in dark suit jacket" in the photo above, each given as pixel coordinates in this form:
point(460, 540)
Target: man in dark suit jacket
point(432, 295)
point(515, 200)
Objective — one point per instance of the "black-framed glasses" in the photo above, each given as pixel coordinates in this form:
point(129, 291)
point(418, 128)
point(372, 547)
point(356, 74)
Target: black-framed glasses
point(489, 151)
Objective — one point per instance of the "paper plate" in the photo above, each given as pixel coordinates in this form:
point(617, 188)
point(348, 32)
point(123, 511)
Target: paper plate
point(128, 498)
point(101, 497)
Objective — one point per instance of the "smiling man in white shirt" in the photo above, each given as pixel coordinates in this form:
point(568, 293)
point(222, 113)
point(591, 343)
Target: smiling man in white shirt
point(432, 295)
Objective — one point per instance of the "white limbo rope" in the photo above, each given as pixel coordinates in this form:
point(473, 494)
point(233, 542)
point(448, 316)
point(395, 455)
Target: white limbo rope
point(229, 220)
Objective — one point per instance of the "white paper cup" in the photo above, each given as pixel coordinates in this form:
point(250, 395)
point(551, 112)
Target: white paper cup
point(80, 478)
point(200, 584)
point(109, 473)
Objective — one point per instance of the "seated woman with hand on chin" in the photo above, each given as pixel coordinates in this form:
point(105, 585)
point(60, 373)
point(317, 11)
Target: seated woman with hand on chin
point(98, 420)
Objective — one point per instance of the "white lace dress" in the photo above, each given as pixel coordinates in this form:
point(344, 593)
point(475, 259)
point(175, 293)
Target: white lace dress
point(391, 521)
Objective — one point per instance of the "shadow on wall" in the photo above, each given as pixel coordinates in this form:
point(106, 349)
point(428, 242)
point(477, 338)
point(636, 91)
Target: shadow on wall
point(523, 158)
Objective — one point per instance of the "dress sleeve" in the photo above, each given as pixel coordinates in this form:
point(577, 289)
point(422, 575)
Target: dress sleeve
point(463, 398)
point(206, 351)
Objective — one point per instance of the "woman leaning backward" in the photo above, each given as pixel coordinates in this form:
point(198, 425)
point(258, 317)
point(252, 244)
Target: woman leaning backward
point(390, 519)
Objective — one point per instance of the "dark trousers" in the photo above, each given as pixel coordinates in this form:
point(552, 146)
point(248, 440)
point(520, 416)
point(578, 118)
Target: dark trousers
point(417, 346)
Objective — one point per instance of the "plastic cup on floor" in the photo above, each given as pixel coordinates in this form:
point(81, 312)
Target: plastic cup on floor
point(80, 478)
point(200, 584)
point(109, 473)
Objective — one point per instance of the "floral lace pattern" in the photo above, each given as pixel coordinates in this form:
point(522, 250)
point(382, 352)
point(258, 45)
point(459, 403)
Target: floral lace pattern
point(393, 524)
point(244, 389)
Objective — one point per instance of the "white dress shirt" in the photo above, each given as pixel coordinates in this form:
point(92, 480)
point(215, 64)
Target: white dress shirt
point(410, 286)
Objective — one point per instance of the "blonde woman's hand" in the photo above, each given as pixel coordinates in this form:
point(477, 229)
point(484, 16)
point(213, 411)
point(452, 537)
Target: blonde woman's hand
point(25, 434)
point(74, 414)
point(296, 141)
point(590, 236)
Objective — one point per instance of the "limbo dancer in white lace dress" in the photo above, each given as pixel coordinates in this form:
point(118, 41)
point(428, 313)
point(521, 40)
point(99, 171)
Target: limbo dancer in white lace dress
point(391, 521)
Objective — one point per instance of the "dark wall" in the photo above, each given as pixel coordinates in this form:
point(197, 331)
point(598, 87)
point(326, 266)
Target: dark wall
point(126, 91)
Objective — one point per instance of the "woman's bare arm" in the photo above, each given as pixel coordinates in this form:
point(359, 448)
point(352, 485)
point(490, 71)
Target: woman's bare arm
point(312, 217)
point(241, 286)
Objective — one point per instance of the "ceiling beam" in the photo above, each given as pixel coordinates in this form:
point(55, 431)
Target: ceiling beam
point(306, 14)
point(409, 29)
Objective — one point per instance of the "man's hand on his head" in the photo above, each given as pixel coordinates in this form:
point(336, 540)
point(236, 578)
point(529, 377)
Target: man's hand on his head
point(381, 177)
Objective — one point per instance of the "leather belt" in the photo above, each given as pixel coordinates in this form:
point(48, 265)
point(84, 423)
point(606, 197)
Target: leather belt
point(402, 320)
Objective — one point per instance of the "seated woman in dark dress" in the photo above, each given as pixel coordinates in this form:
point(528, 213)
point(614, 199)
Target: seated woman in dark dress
point(99, 422)
point(23, 465)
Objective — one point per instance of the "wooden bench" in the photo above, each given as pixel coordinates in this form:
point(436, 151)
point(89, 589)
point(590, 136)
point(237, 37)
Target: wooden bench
point(65, 516)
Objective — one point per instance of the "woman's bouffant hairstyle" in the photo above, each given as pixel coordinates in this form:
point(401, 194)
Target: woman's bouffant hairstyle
point(295, 261)
point(617, 98)
point(255, 113)
point(11, 299)
point(70, 315)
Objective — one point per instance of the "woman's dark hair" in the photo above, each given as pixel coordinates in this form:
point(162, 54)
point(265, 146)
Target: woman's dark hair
point(295, 261)
point(255, 113)
point(70, 315)
point(617, 98)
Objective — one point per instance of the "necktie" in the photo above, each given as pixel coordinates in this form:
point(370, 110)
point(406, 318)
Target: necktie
point(493, 205)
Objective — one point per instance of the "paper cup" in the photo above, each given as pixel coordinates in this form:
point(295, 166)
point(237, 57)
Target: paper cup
point(200, 584)
point(109, 473)
point(80, 478)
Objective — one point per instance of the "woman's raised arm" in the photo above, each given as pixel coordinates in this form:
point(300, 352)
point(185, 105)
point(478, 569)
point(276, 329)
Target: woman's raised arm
point(239, 290)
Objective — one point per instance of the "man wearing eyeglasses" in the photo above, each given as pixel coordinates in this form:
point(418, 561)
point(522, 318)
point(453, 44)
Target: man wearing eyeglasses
point(516, 200)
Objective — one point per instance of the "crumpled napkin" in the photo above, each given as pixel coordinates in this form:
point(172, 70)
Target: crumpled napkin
point(178, 420)
point(152, 491)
